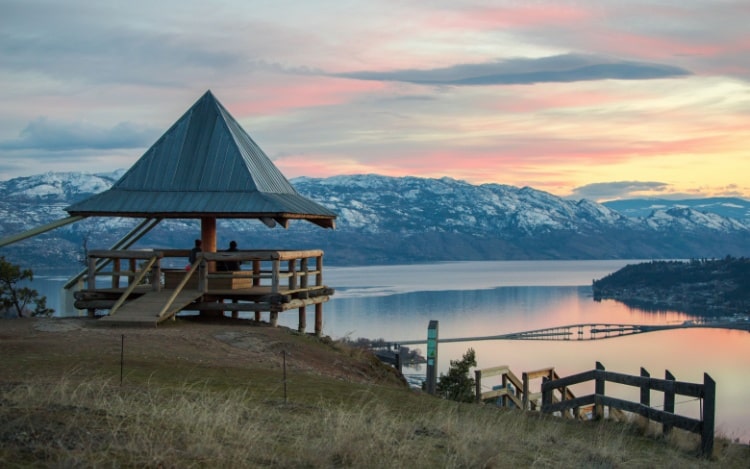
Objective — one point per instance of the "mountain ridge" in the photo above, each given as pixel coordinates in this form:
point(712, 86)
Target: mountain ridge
point(386, 220)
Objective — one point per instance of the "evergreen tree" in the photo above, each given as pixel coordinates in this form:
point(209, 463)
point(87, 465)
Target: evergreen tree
point(457, 385)
point(17, 299)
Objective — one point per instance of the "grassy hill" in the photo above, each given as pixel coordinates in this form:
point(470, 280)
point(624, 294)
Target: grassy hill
point(212, 394)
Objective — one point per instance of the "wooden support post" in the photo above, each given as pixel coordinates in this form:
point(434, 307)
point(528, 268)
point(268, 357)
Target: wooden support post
point(668, 401)
point(208, 238)
point(256, 272)
point(92, 281)
point(133, 268)
point(115, 272)
point(318, 319)
point(156, 275)
point(478, 386)
point(292, 268)
point(275, 276)
point(709, 408)
point(257, 316)
point(202, 275)
point(305, 271)
point(599, 392)
point(302, 325)
point(645, 389)
point(505, 398)
point(274, 318)
point(319, 276)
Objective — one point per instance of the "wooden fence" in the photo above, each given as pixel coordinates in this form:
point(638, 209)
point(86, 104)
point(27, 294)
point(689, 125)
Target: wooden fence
point(669, 386)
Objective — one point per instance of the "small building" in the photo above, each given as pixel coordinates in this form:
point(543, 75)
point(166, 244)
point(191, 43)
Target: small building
point(204, 167)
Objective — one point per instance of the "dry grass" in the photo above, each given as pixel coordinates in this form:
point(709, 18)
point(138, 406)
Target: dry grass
point(224, 415)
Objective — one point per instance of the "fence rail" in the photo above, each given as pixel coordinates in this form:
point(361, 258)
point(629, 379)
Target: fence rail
point(669, 386)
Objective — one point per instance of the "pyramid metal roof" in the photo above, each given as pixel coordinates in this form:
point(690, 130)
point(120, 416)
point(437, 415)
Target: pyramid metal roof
point(205, 165)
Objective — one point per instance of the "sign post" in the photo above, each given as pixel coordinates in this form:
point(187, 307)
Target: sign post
point(432, 356)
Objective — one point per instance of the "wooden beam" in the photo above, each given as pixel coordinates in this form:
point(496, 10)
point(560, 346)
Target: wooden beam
point(39, 230)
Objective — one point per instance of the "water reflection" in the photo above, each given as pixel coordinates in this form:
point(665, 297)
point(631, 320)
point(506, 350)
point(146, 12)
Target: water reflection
point(464, 313)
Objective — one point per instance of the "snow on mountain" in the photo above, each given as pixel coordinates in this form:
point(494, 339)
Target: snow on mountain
point(406, 219)
point(57, 186)
point(728, 207)
point(691, 220)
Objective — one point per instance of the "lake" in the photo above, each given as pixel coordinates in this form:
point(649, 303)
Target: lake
point(472, 299)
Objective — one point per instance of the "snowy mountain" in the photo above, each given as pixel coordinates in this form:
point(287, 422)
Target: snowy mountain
point(388, 220)
point(729, 207)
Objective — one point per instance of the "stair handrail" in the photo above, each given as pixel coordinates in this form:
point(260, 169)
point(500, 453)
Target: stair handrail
point(134, 283)
point(199, 262)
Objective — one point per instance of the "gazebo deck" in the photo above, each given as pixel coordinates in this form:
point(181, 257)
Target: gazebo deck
point(257, 290)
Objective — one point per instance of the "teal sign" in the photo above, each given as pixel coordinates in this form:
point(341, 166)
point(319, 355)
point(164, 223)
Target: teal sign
point(432, 356)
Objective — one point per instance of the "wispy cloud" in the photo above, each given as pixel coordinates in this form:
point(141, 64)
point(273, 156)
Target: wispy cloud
point(618, 190)
point(560, 68)
point(46, 134)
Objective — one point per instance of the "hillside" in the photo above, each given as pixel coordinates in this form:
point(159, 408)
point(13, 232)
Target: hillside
point(387, 220)
point(719, 287)
point(212, 394)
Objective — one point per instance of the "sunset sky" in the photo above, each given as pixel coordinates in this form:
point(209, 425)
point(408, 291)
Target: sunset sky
point(593, 99)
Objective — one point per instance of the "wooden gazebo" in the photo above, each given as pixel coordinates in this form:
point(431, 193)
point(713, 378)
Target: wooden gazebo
point(204, 167)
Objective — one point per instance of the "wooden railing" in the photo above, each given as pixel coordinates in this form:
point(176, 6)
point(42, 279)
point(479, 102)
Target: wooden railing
point(506, 394)
point(669, 386)
point(135, 274)
point(515, 390)
point(301, 269)
point(295, 270)
point(533, 401)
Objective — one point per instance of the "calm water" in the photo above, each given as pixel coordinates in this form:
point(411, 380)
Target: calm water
point(488, 298)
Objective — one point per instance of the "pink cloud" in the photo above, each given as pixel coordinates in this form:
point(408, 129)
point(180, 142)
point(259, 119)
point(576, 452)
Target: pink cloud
point(300, 93)
point(650, 47)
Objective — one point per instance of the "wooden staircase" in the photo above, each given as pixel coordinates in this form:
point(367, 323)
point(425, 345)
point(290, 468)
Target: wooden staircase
point(151, 308)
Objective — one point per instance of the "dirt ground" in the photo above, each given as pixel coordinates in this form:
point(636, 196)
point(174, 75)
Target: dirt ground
point(30, 343)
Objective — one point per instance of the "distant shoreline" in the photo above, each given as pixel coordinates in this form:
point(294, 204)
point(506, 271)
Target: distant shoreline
point(708, 288)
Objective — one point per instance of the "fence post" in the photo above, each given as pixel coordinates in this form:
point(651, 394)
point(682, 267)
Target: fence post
point(709, 409)
point(525, 401)
point(645, 389)
point(668, 401)
point(546, 393)
point(599, 392)
point(478, 385)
